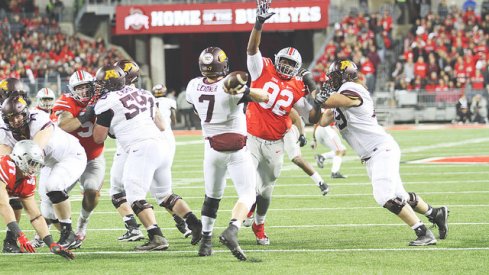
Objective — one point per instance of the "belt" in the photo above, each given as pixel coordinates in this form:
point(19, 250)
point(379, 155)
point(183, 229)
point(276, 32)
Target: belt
point(368, 158)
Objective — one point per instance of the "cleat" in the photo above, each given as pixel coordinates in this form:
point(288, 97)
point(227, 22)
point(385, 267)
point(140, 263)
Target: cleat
point(320, 160)
point(181, 225)
point(439, 219)
point(424, 239)
point(132, 234)
point(205, 248)
point(338, 175)
point(196, 233)
point(229, 238)
point(79, 238)
point(158, 243)
point(82, 227)
point(10, 246)
point(261, 237)
point(324, 187)
point(37, 242)
point(67, 238)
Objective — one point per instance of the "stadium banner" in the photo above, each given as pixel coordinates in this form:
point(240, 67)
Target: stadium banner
point(222, 17)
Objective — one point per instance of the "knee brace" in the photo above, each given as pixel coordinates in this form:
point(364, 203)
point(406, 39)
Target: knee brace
point(210, 207)
point(118, 199)
point(395, 205)
point(170, 201)
point(15, 204)
point(413, 199)
point(57, 196)
point(139, 206)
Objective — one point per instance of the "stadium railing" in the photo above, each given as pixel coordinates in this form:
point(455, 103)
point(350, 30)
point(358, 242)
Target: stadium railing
point(401, 106)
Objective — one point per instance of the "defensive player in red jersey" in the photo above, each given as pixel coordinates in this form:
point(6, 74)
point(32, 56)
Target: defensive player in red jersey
point(17, 178)
point(45, 102)
point(267, 122)
point(76, 116)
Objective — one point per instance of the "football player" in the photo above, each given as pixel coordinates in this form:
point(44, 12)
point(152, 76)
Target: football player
point(11, 87)
point(17, 178)
point(267, 122)
point(76, 116)
point(65, 159)
point(130, 114)
point(167, 107)
point(352, 110)
point(328, 137)
point(117, 192)
point(45, 102)
point(293, 140)
point(224, 129)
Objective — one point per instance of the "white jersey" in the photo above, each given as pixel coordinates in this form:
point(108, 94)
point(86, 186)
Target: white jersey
point(60, 145)
point(133, 111)
point(358, 125)
point(219, 111)
point(165, 105)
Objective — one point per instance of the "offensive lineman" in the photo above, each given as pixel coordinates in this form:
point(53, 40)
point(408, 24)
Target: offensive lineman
point(224, 129)
point(129, 114)
point(65, 159)
point(167, 107)
point(354, 115)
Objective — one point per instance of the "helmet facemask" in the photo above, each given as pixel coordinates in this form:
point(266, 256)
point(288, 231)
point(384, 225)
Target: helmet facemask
point(288, 61)
point(83, 93)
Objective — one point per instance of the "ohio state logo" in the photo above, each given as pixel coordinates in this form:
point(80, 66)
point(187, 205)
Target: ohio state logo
point(136, 20)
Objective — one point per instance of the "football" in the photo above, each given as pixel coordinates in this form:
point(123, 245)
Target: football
point(235, 81)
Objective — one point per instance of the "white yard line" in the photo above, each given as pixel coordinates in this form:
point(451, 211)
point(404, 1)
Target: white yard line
point(347, 250)
point(295, 226)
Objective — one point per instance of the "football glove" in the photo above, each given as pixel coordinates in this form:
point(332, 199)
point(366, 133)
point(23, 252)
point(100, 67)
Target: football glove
point(89, 114)
point(302, 140)
point(264, 17)
point(24, 244)
point(324, 93)
point(59, 250)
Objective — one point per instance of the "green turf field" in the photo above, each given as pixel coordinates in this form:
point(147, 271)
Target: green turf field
point(343, 233)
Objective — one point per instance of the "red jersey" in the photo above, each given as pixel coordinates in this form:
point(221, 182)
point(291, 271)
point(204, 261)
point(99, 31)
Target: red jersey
point(270, 120)
point(16, 187)
point(85, 133)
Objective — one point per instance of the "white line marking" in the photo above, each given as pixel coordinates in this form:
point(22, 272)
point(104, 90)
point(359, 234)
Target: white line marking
point(307, 209)
point(410, 249)
point(295, 226)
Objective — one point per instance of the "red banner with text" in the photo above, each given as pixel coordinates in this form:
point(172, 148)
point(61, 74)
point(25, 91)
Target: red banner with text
point(223, 17)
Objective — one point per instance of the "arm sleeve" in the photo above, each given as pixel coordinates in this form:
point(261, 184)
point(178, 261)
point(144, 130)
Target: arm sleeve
point(303, 108)
point(105, 118)
point(255, 65)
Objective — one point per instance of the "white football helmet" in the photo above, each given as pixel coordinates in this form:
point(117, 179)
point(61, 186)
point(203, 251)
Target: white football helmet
point(79, 78)
point(28, 156)
point(45, 98)
point(288, 61)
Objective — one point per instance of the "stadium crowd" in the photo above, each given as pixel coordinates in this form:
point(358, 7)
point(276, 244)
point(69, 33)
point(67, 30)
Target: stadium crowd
point(37, 48)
